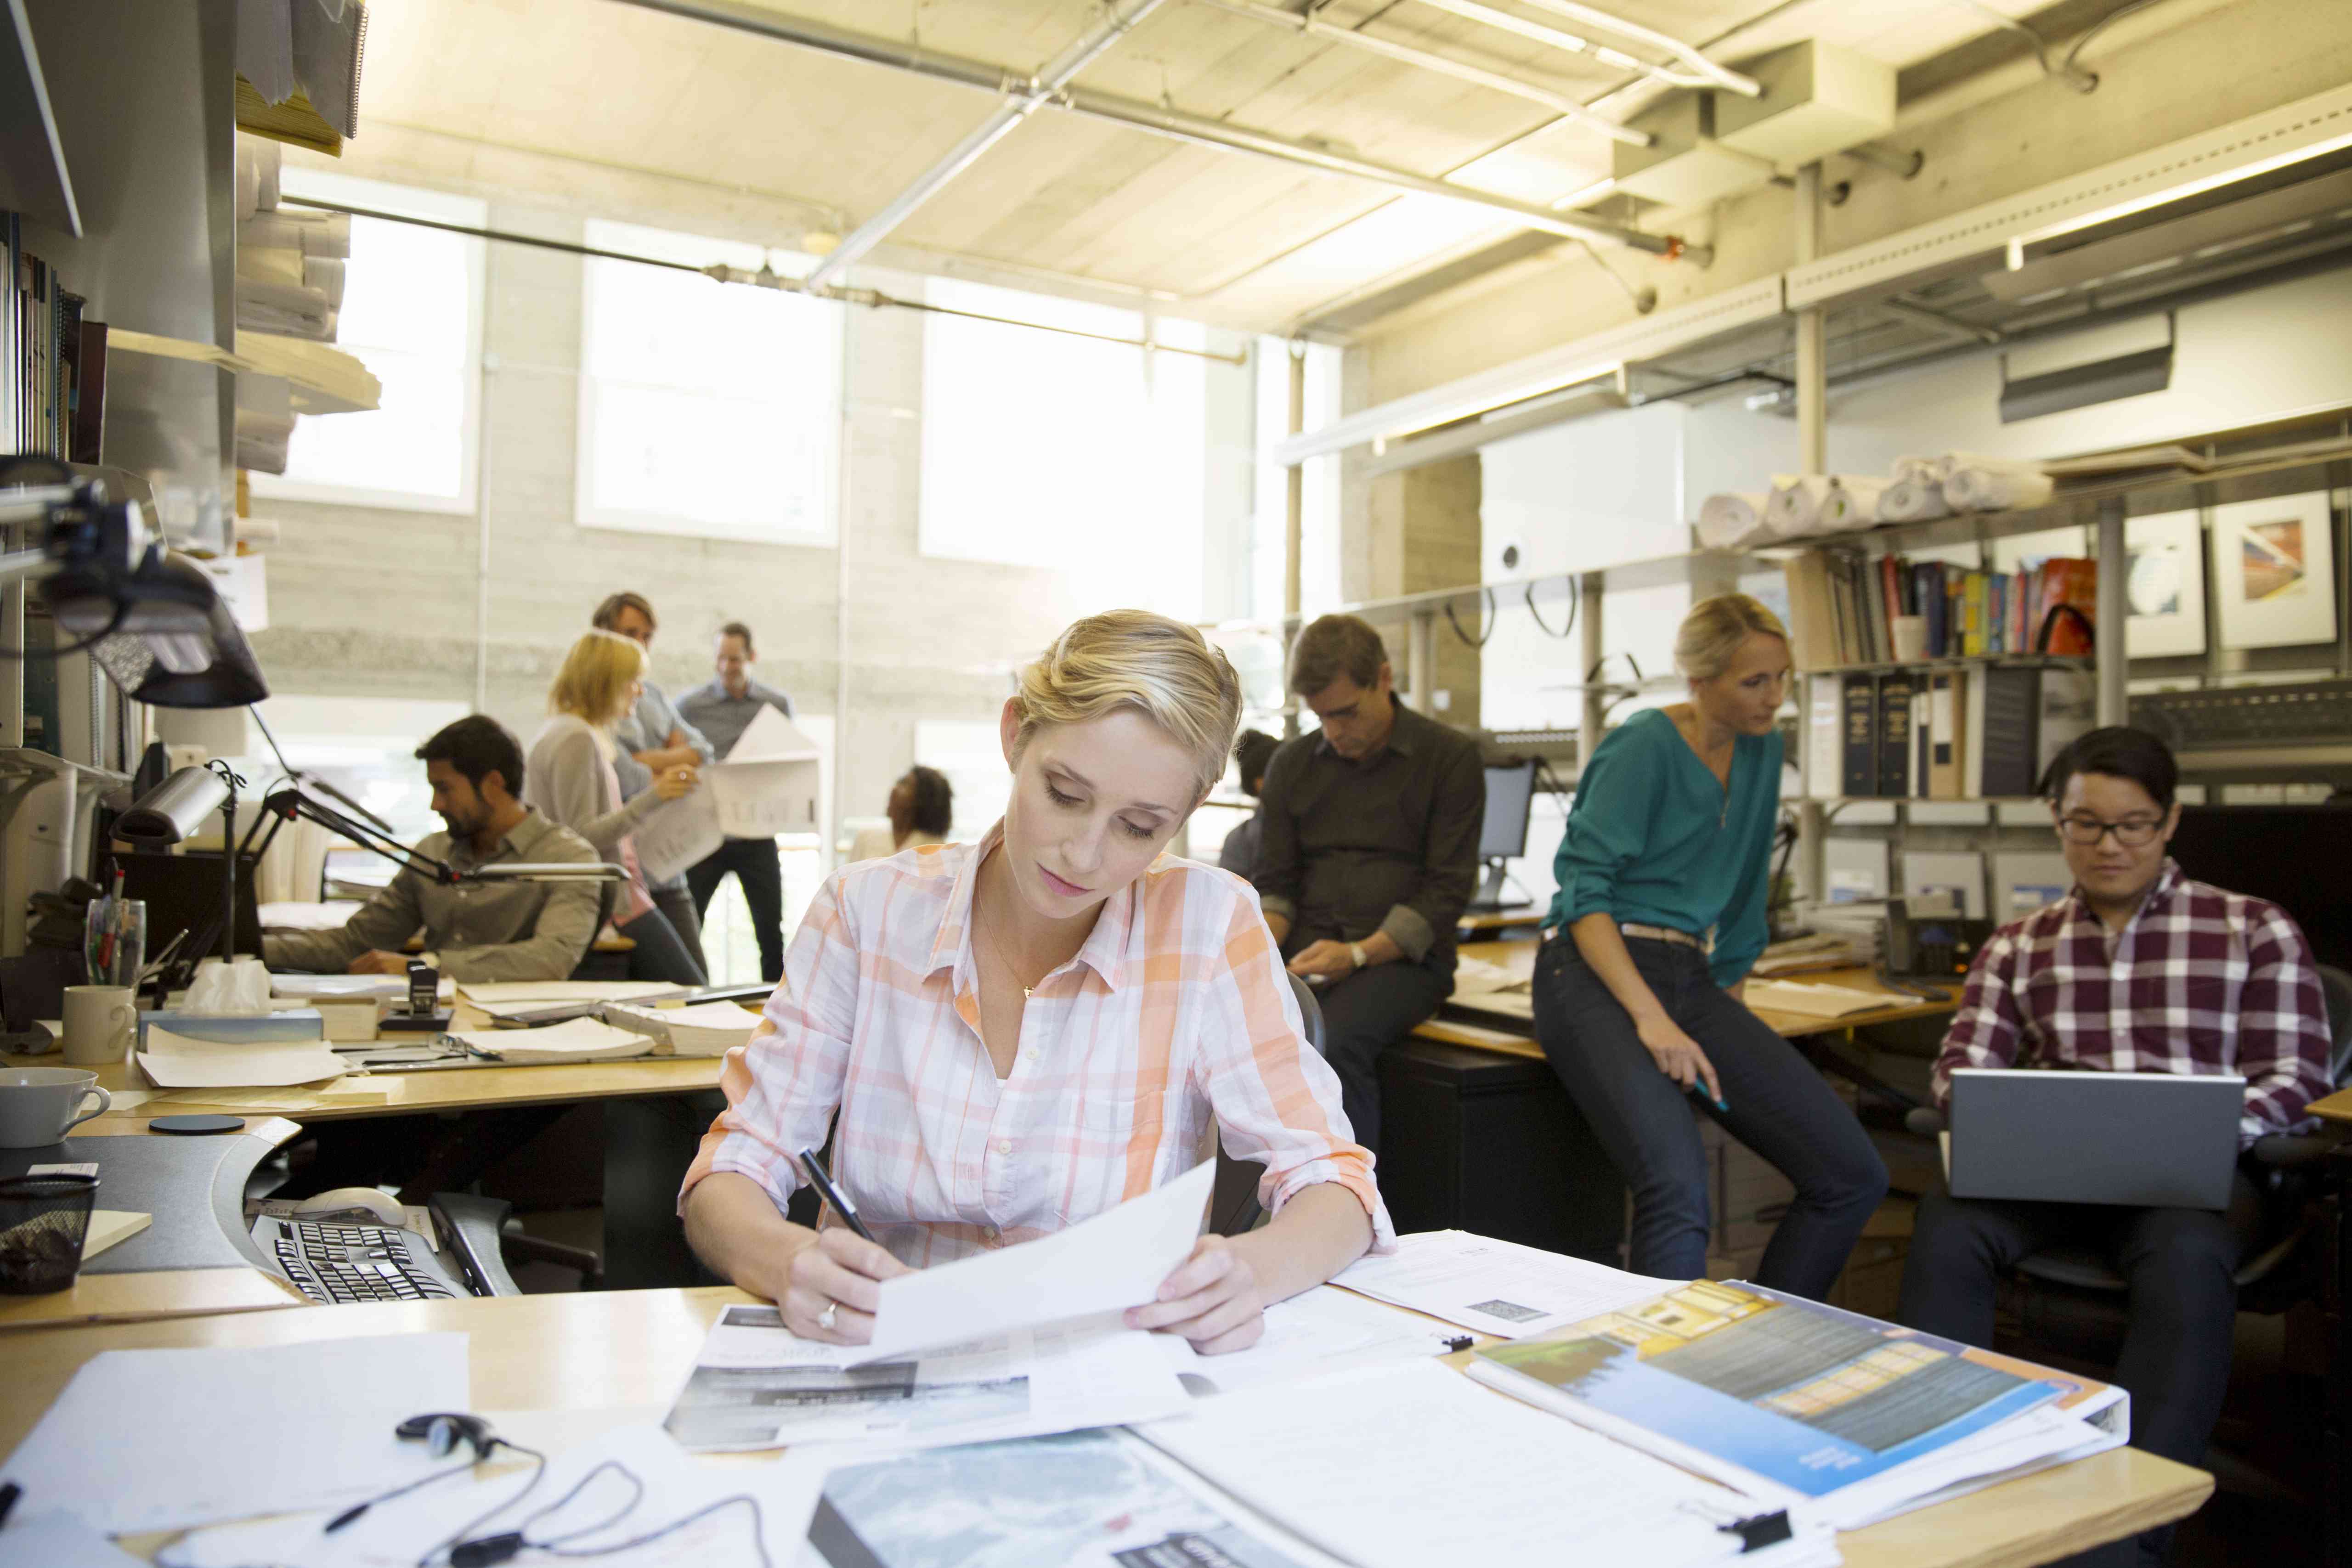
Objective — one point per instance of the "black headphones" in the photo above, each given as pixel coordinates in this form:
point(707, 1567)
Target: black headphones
point(442, 1430)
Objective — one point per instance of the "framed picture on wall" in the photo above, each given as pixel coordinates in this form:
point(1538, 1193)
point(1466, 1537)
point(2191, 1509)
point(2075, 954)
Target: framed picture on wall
point(2274, 567)
point(2165, 584)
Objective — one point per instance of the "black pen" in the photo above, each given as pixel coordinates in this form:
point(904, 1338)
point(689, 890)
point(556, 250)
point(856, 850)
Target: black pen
point(821, 1179)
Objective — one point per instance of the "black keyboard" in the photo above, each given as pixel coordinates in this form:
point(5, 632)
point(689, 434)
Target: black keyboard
point(334, 1262)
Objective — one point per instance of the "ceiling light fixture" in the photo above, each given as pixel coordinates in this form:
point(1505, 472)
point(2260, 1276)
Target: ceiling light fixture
point(2017, 247)
point(1551, 383)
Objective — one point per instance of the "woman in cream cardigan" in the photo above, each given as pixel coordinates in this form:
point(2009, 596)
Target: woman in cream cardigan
point(569, 778)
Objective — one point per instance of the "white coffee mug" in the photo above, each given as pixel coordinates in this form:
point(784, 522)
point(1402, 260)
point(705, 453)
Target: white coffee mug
point(39, 1105)
point(98, 1024)
point(1908, 634)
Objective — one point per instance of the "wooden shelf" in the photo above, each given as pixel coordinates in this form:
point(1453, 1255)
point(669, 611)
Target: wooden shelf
point(325, 379)
point(1960, 661)
point(1914, 800)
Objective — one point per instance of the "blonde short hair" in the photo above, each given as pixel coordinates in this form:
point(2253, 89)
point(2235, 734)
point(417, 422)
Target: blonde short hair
point(1132, 658)
point(1712, 633)
point(594, 682)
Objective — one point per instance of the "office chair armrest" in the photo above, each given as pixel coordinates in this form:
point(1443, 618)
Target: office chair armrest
point(469, 1230)
point(1924, 1119)
point(2291, 1151)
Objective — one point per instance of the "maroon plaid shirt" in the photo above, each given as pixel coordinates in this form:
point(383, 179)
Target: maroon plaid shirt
point(2199, 981)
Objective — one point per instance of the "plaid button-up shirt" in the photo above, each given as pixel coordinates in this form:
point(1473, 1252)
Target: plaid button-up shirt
point(2198, 981)
point(1174, 1020)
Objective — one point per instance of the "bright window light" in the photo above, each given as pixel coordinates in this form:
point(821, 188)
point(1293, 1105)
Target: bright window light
point(707, 409)
point(1085, 457)
point(412, 313)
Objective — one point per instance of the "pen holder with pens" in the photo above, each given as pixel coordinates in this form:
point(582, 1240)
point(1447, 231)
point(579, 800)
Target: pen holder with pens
point(114, 940)
point(43, 1222)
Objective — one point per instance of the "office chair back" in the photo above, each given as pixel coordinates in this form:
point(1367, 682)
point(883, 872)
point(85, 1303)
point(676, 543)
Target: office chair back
point(595, 966)
point(1234, 1208)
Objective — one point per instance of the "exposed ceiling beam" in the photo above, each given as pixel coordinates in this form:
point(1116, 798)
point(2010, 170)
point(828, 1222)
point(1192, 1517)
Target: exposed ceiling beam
point(1113, 25)
point(1199, 130)
point(1314, 26)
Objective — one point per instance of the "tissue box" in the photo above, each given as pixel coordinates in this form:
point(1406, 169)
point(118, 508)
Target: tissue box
point(299, 1024)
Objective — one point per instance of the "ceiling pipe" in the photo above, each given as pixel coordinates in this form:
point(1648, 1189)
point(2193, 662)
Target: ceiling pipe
point(1115, 24)
point(1174, 123)
point(1709, 73)
point(1312, 26)
point(1705, 73)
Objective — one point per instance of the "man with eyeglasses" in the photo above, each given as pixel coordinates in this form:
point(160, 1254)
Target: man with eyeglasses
point(2139, 969)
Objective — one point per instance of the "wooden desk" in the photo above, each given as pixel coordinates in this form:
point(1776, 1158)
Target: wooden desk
point(2336, 1108)
point(156, 1292)
point(1498, 1028)
point(614, 1350)
point(392, 1094)
point(1504, 919)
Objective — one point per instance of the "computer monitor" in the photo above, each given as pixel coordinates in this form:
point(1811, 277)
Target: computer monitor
point(2292, 856)
point(184, 894)
point(1510, 794)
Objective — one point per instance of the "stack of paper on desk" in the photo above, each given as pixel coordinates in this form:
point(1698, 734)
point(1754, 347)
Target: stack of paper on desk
point(758, 1385)
point(1841, 1418)
point(1497, 1288)
point(579, 1039)
point(1435, 1469)
point(491, 996)
point(706, 1028)
point(171, 1062)
point(1814, 999)
point(160, 1439)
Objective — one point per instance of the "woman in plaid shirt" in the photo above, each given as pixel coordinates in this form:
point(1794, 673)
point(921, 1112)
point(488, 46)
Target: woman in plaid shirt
point(2139, 969)
point(1021, 1033)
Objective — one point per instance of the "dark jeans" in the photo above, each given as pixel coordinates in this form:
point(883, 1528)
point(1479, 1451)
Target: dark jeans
point(1363, 1016)
point(2184, 1304)
point(658, 954)
point(685, 917)
point(754, 864)
point(1780, 1108)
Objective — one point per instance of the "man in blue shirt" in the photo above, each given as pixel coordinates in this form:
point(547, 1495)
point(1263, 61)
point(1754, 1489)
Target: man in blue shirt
point(723, 709)
point(654, 737)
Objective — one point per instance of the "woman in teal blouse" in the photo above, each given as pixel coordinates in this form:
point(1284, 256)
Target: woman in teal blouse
point(1669, 844)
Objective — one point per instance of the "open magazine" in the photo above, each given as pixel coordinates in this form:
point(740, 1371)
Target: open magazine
point(1840, 1417)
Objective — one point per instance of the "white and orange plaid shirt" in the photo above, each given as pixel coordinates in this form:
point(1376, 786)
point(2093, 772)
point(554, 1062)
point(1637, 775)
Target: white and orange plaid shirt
point(1175, 1021)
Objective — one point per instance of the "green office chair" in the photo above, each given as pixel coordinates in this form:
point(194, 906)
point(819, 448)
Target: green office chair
point(2070, 1297)
point(1234, 1208)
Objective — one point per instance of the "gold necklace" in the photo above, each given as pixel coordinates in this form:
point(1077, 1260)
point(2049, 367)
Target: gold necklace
point(998, 947)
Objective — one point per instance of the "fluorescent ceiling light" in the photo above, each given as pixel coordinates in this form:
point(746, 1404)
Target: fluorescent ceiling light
point(1551, 383)
point(2016, 257)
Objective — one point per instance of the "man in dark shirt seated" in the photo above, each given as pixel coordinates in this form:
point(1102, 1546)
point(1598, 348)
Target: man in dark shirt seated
point(2139, 969)
point(1369, 851)
point(483, 931)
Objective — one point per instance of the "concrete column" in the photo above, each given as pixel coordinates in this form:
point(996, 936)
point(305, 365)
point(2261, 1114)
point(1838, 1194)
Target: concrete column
point(2114, 608)
point(1590, 592)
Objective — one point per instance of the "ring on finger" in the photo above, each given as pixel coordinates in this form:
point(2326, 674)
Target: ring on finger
point(828, 1318)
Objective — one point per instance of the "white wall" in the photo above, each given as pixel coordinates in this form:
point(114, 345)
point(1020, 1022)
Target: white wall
point(2269, 353)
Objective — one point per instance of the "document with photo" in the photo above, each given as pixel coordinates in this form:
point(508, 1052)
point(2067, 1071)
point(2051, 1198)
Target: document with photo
point(758, 1385)
point(1497, 1288)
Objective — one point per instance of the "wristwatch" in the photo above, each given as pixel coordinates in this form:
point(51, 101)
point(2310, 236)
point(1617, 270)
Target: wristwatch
point(1356, 951)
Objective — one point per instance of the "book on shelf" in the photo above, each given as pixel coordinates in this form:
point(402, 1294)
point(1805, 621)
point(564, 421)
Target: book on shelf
point(1842, 607)
point(1859, 695)
point(52, 361)
point(1894, 740)
point(1824, 732)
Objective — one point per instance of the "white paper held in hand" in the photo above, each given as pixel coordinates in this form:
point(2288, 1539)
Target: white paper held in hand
point(676, 834)
point(768, 784)
point(1114, 1260)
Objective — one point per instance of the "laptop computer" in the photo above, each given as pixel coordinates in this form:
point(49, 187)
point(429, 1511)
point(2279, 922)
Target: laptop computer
point(2154, 1140)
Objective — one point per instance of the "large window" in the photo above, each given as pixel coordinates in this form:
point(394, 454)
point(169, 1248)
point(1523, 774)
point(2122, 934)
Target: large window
point(412, 312)
point(1086, 458)
point(1319, 559)
point(705, 408)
